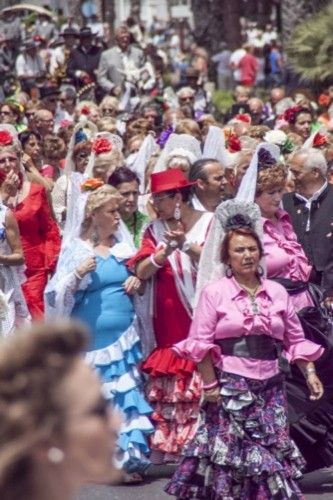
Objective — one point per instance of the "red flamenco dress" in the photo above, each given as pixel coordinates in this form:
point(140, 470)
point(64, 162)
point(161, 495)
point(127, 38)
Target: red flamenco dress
point(174, 385)
point(41, 245)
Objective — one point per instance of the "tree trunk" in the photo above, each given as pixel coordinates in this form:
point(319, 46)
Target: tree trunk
point(216, 20)
point(232, 11)
point(108, 12)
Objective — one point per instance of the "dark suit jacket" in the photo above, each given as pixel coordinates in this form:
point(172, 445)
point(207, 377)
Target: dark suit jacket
point(81, 60)
point(318, 241)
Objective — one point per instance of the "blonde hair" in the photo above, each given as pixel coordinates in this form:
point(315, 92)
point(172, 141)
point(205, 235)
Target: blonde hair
point(111, 101)
point(111, 160)
point(34, 364)
point(15, 148)
point(190, 127)
point(178, 161)
point(97, 199)
point(107, 124)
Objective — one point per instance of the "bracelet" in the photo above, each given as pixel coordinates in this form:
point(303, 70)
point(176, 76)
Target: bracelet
point(308, 371)
point(153, 261)
point(76, 274)
point(212, 385)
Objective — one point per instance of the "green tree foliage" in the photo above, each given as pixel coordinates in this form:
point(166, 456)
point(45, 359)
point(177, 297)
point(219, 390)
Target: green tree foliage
point(310, 48)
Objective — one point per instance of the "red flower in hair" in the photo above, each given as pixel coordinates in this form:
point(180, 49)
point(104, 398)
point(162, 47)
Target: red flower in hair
point(243, 117)
point(234, 144)
point(324, 100)
point(101, 145)
point(319, 140)
point(85, 110)
point(290, 114)
point(5, 138)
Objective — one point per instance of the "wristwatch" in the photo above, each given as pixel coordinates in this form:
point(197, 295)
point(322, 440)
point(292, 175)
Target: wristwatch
point(186, 246)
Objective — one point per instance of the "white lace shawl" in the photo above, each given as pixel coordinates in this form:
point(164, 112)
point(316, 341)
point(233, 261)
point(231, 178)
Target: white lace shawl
point(60, 291)
point(13, 307)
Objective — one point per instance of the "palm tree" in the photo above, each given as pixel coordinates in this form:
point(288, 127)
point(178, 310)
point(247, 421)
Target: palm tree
point(310, 48)
point(295, 11)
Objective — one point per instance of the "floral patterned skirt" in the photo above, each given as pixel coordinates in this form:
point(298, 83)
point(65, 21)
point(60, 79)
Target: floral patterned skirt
point(242, 449)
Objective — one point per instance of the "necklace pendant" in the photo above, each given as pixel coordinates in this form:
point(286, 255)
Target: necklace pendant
point(255, 306)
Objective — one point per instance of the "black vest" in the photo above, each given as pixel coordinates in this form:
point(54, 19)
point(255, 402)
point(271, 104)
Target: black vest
point(318, 241)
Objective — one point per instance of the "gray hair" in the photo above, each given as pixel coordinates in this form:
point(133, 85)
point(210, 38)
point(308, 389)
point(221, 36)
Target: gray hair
point(178, 161)
point(314, 159)
point(185, 90)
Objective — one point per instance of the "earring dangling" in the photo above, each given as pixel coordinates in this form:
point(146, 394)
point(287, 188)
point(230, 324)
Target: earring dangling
point(260, 271)
point(55, 455)
point(228, 272)
point(177, 213)
point(94, 237)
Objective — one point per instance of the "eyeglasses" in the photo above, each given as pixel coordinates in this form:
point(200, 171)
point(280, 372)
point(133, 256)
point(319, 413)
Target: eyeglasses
point(29, 115)
point(52, 99)
point(156, 198)
point(5, 113)
point(186, 98)
point(108, 110)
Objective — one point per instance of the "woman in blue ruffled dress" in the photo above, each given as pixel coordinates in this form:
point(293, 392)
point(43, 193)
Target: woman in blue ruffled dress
point(92, 284)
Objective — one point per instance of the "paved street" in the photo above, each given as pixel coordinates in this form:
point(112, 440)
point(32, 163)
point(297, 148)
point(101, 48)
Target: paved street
point(317, 485)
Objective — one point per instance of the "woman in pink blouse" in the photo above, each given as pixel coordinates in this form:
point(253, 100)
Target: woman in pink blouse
point(311, 423)
point(242, 324)
point(284, 256)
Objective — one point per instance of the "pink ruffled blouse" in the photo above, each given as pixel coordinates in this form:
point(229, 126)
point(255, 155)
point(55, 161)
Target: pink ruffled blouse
point(224, 310)
point(284, 256)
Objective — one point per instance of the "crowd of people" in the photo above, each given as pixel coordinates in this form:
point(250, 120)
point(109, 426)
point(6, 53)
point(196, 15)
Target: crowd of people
point(197, 250)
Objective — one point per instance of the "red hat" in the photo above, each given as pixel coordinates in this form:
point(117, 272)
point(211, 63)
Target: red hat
point(173, 178)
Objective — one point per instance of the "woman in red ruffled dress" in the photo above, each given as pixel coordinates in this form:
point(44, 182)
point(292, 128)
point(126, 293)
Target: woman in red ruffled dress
point(169, 255)
point(39, 233)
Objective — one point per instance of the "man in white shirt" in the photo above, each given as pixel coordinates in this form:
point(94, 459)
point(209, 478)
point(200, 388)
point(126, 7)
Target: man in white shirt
point(235, 59)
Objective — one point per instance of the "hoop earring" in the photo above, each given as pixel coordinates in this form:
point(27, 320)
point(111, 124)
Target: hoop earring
point(260, 271)
point(177, 213)
point(228, 272)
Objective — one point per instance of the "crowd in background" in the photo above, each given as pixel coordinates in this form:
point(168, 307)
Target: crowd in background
point(115, 165)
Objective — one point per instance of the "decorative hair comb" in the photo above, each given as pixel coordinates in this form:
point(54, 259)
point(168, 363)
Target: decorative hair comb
point(265, 159)
point(238, 221)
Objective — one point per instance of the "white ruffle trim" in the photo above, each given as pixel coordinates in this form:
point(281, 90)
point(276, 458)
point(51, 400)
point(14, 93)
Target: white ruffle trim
point(132, 451)
point(136, 422)
point(124, 383)
point(115, 352)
